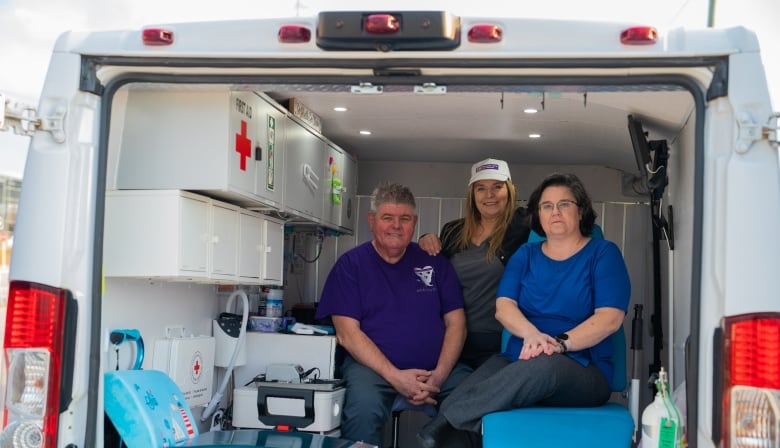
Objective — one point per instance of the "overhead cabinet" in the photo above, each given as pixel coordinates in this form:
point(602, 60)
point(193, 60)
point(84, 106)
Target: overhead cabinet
point(237, 146)
point(178, 235)
point(224, 144)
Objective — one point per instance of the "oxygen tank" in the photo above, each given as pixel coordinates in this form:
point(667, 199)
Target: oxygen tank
point(662, 425)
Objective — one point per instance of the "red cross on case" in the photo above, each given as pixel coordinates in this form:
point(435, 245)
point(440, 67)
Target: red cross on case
point(243, 146)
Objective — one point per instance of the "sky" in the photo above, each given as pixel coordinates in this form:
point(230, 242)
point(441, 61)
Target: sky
point(29, 28)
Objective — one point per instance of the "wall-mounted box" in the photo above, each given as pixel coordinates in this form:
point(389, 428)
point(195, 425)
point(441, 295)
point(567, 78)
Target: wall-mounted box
point(225, 144)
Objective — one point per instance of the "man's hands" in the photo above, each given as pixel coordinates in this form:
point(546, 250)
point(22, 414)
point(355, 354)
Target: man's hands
point(418, 386)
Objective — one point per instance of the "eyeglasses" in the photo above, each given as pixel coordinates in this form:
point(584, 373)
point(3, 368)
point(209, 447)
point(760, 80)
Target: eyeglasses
point(563, 206)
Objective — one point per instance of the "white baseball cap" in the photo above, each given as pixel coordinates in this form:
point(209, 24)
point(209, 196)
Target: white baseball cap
point(490, 169)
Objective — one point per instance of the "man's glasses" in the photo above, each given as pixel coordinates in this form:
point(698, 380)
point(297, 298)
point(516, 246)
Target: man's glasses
point(563, 206)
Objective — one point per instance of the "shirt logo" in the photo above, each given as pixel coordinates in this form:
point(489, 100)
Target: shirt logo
point(425, 274)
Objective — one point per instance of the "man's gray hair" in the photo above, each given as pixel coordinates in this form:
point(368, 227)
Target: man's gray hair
point(387, 193)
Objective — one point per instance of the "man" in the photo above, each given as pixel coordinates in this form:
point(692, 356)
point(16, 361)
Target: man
point(398, 313)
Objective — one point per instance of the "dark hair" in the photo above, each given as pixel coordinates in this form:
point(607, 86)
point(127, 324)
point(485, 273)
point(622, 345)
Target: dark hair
point(387, 193)
point(581, 197)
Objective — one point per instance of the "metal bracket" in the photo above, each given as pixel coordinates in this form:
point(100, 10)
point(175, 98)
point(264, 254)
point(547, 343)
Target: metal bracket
point(366, 88)
point(23, 120)
point(750, 130)
point(430, 88)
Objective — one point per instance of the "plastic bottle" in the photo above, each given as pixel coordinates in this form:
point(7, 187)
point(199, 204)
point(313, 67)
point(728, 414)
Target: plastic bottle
point(662, 425)
point(274, 306)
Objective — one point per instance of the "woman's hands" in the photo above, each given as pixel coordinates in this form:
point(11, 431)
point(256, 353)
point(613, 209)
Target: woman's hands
point(538, 343)
point(430, 243)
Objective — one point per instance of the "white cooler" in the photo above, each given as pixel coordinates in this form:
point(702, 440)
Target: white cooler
point(311, 407)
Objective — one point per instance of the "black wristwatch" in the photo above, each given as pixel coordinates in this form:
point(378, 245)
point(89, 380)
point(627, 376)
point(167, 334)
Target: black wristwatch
point(562, 338)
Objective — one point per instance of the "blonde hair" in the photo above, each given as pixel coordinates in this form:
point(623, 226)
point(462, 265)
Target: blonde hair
point(473, 218)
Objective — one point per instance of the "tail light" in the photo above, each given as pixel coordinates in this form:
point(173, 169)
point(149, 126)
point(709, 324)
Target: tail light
point(35, 348)
point(751, 410)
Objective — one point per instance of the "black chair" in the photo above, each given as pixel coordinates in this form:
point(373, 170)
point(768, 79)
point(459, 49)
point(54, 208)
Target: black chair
point(400, 404)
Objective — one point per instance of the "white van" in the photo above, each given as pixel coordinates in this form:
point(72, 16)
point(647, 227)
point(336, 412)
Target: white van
point(173, 163)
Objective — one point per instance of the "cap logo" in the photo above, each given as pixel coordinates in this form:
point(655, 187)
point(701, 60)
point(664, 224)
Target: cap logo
point(487, 166)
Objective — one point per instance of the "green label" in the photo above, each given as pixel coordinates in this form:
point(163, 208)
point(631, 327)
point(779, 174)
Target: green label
point(667, 434)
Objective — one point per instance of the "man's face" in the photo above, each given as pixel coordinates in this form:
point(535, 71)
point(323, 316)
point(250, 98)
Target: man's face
point(392, 226)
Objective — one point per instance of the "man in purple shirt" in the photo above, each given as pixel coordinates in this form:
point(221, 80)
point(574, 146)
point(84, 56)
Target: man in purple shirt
point(398, 313)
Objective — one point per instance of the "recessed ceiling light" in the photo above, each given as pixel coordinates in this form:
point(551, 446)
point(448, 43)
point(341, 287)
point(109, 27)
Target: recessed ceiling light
point(340, 109)
point(534, 135)
point(364, 132)
point(530, 110)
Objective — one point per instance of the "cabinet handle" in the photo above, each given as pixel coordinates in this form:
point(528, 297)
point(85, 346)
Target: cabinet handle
point(215, 239)
point(268, 249)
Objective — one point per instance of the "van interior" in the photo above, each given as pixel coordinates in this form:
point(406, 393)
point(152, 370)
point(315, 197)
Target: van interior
point(632, 139)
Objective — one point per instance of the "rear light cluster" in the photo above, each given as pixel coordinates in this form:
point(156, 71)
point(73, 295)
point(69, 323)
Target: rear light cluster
point(33, 348)
point(751, 411)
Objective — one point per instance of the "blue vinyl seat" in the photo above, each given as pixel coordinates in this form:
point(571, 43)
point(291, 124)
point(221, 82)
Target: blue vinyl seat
point(607, 426)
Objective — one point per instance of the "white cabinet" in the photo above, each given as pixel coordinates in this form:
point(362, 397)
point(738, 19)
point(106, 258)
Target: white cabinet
point(178, 235)
point(224, 144)
point(261, 245)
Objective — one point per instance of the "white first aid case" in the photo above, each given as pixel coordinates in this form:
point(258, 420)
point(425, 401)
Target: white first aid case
point(189, 362)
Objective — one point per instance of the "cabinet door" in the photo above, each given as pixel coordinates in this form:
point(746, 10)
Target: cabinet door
point(273, 263)
point(224, 242)
point(193, 235)
point(250, 247)
point(305, 179)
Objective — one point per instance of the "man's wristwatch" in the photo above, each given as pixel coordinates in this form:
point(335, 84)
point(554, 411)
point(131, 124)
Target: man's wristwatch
point(562, 338)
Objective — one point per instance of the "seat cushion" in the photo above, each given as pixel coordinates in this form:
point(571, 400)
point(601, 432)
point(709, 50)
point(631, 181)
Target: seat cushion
point(608, 426)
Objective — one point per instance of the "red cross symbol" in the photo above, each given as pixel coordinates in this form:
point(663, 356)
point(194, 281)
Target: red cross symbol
point(243, 146)
point(196, 367)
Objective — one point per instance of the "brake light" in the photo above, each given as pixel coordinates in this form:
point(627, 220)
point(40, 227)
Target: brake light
point(639, 35)
point(157, 36)
point(381, 24)
point(33, 346)
point(485, 33)
point(751, 394)
point(294, 34)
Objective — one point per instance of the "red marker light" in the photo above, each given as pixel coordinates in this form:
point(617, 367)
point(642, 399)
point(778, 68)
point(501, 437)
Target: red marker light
point(157, 36)
point(639, 35)
point(294, 34)
point(485, 33)
point(381, 24)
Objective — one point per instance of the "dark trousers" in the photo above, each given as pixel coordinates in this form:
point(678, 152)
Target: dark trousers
point(368, 399)
point(500, 385)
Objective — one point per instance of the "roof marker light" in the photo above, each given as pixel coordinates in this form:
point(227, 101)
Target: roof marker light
point(294, 34)
point(381, 24)
point(639, 35)
point(485, 33)
point(157, 36)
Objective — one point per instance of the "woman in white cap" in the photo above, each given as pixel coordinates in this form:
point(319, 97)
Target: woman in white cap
point(479, 245)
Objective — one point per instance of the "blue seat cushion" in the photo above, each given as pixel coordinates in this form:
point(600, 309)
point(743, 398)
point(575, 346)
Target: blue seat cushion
point(607, 426)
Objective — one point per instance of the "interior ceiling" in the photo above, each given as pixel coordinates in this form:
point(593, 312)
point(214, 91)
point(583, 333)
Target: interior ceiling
point(587, 128)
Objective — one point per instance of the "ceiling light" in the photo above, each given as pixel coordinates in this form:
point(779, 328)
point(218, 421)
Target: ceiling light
point(530, 110)
point(534, 135)
point(340, 109)
point(364, 132)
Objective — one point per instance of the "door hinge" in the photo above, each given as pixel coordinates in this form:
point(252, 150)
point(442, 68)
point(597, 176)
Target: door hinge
point(750, 130)
point(23, 119)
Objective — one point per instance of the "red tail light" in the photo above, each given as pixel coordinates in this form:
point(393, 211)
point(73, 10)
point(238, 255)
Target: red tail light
point(485, 34)
point(381, 24)
point(751, 393)
point(639, 35)
point(157, 36)
point(34, 345)
point(294, 34)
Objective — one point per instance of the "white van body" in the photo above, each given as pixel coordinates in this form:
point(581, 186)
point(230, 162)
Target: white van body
point(132, 124)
